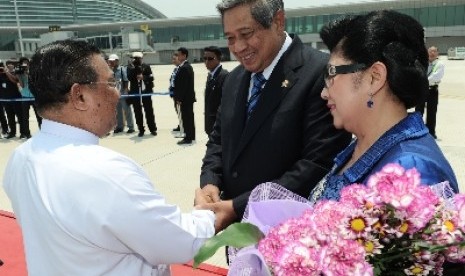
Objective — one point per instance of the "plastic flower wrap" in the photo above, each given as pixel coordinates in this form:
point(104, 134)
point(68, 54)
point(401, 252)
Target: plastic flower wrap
point(391, 226)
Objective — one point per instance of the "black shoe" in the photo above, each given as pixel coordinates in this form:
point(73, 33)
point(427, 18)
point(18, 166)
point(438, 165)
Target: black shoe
point(176, 129)
point(185, 142)
point(141, 133)
point(23, 136)
point(434, 136)
point(130, 131)
point(11, 135)
point(117, 130)
point(154, 133)
point(28, 136)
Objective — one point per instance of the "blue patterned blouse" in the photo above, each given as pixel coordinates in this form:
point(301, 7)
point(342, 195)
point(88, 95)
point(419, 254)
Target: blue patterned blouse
point(408, 143)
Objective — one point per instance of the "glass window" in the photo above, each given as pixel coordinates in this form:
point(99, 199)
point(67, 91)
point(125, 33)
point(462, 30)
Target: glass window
point(459, 15)
point(432, 17)
point(309, 24)
point(440, 16)
point(290, 25)
point(450, 16)
point(299, 25)
point(423, 17)
point(320, 21)
point(407, 12)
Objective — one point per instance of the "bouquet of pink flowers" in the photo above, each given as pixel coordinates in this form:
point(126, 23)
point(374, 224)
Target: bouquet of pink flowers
point(391, 226)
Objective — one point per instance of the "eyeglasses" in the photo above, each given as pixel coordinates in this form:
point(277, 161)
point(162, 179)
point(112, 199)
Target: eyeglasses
point(333, 70)
point(208, 58)
point(111, 84)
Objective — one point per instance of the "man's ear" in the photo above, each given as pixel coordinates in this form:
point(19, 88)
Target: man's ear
point(378, 75)
point(78, 97)
point(280, 20)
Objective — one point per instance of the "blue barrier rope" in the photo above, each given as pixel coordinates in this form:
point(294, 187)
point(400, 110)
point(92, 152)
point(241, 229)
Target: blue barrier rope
point(27, 99)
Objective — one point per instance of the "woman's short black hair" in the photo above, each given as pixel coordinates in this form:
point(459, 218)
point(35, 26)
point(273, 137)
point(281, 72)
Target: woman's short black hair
point(393, 38)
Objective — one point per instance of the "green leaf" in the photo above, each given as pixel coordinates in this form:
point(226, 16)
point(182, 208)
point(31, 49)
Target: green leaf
point(237, 235)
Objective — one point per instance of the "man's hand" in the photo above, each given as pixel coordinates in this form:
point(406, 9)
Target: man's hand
point(211, 193)
point(224, 213)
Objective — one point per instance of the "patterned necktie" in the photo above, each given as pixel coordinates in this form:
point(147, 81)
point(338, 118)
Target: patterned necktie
point(258, 80)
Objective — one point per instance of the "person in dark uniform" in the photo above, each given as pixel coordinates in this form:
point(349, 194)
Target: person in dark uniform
point(184, 95)
point(214, 85)
point(9, 90)
point(141, 78)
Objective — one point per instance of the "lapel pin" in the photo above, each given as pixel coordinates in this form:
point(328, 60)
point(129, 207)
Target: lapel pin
point(285, 83)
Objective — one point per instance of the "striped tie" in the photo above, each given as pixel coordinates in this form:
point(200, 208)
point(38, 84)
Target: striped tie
point(258, 80)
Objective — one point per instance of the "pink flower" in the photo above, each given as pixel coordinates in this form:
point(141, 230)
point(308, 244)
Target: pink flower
point(345, 258)
point(359, 196)
point(395, 185)
point(297, 259)
point(391, 213)
point(459, 201)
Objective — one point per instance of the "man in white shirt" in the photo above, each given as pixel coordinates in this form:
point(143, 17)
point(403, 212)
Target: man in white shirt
point(435, 75)
point(84, 209)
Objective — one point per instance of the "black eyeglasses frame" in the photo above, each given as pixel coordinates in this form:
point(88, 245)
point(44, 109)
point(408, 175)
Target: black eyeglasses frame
point(332, 70)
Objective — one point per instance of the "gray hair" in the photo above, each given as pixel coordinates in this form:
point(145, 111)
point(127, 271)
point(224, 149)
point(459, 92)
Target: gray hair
point(263, 11)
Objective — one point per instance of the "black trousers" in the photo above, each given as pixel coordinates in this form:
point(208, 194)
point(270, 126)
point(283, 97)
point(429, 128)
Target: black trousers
point(3, 122)
point(25, 110)
point(13, 109)
point(431, 102)
point(187, 115)
point(148, 110)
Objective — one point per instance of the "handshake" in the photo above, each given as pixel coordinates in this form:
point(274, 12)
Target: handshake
point(208, 198)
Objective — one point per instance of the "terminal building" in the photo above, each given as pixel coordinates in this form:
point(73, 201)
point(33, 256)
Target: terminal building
point(123, 26)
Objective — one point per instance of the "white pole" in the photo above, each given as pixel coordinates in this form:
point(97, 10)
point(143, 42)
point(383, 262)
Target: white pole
point(111, 41)
point(19, 30)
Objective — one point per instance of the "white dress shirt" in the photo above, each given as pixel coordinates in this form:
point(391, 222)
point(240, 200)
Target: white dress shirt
point(268, 70)
point(435, 72)
point(87, 210)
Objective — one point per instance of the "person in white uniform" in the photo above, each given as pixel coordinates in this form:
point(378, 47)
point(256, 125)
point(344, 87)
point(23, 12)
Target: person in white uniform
point(84, 209)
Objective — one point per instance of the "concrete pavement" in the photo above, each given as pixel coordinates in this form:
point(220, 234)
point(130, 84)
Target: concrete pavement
point(175, 169)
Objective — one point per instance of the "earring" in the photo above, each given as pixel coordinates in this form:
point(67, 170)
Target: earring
point(370, 102)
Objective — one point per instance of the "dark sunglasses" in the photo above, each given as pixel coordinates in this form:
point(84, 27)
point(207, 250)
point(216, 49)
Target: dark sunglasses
point(208, 58)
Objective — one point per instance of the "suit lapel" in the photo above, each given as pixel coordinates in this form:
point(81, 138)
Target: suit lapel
point(243, 81)
point(281, 81)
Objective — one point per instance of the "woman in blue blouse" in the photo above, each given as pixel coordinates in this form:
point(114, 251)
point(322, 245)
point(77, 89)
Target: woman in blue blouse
point(376, 71)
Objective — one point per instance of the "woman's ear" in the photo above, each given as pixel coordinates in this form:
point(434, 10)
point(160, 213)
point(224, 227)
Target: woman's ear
point(378, 75)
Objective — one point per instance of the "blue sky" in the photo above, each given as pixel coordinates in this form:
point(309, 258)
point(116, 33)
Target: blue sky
point(188, 8)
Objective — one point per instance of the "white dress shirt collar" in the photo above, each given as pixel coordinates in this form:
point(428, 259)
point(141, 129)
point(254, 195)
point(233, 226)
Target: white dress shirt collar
point(268, 70)
point(212, 72)
point(68, 132)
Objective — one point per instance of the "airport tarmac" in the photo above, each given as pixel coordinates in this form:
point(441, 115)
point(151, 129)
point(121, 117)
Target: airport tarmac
point(175, 169)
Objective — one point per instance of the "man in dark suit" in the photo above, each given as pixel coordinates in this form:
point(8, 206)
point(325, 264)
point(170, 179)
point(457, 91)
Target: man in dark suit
point(214, 85)
point(184, 95)
point(285, 135)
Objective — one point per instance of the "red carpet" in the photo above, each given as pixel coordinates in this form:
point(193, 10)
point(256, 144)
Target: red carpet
point(12, 253)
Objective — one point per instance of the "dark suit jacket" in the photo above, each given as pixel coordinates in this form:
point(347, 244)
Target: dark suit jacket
point(213, 90)
point(148, 78)
point(290, 138)
point(184, 84)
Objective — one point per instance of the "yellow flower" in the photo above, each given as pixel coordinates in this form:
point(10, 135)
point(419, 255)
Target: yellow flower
point(357, 224)
point(403, 227)
point(449, 225)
